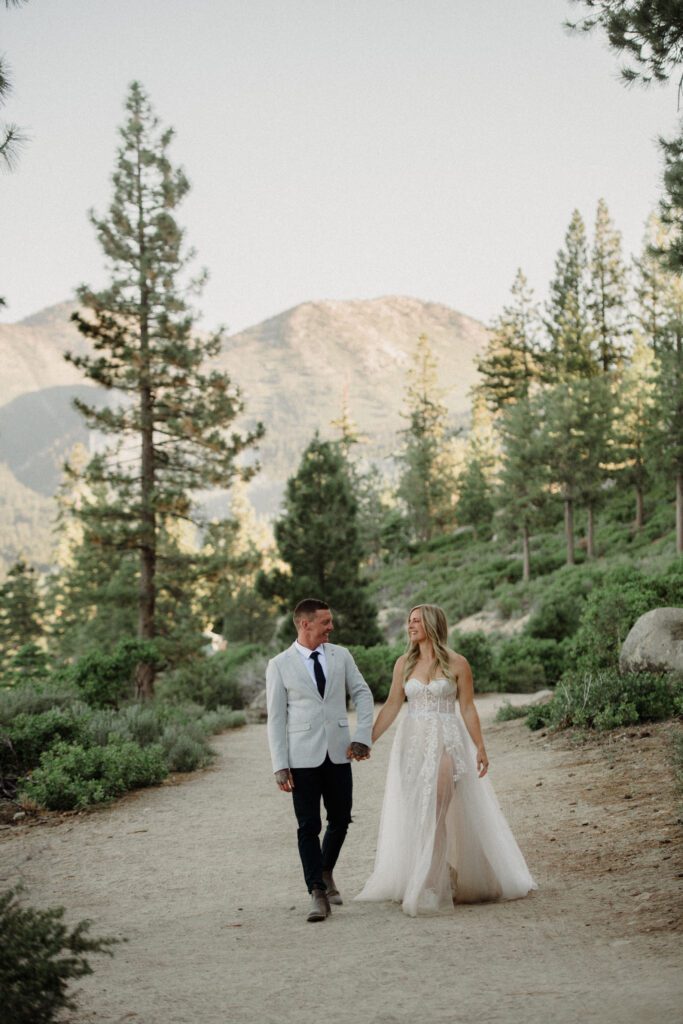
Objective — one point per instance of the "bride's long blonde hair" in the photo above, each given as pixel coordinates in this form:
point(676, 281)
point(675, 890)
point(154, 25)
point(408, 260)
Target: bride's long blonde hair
point(436, 628)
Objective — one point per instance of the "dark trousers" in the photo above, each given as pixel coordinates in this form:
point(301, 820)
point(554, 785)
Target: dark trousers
point(333, 783)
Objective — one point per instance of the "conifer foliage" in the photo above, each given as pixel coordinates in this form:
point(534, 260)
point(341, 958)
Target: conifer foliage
point(168, 432)
point(317, 537)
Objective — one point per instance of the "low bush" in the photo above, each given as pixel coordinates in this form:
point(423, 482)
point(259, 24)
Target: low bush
point(32, 698)
point(39, 956)
point(211, 681)
point(607, 700)
point(612, 608)
point(376, 665)
point(70, 776)
point(106, 680)
point(557, 612)
point(477, 648)
point(525, 663)
point(23, 741)
point(507, 712)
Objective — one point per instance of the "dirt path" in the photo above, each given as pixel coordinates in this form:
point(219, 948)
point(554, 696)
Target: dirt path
point(203, 879)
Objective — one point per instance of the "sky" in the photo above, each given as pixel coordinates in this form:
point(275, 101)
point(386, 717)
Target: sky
point(337, 149)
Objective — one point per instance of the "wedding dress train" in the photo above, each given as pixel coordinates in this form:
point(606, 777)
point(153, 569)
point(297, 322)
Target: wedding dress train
point(442, 836)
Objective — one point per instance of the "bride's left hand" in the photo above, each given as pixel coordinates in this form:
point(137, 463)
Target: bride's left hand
point(482, 762)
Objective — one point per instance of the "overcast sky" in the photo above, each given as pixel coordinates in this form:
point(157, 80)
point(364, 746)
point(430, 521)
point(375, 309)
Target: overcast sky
point(337, 149)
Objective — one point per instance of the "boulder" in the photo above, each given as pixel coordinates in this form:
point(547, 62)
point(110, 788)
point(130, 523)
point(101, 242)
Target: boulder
point(655, 643)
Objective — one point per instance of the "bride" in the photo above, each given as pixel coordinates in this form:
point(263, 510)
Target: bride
point(442, 836)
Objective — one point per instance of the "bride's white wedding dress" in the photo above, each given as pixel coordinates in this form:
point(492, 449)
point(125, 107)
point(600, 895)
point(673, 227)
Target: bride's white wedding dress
point(442, 836)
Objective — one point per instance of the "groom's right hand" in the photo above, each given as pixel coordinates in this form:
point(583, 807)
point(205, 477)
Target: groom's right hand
point(284, 780)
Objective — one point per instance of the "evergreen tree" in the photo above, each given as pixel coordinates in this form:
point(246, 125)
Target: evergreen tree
point(570, 354)
point(474, 481)
point(669, 387)
point(649, 32)
point(11, 135)
point(653, 287)
point(427, 483)
point(524, 479)
point(608, 287)
point(633, 423)
point(317, 538)
point(169, 431)
point(577, 417)
point(509, 364)
point(21, 609)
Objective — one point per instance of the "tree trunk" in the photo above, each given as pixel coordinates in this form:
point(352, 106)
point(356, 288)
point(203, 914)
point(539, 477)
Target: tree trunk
point(679, 512)
point(590, 533)
point(569, 529)
point(144, 671)
point(526, 559)
point(640, 508)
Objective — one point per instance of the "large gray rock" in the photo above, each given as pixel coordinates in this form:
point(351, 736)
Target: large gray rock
point(655, 643)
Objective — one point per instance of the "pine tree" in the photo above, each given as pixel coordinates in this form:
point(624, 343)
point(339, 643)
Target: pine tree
point(608, 291)
point(653, 287)
point(169, 430)
point(633, 423)
point(669, 387)
point(509, 364)
point(427, 484)
point(317, 538)
point(577, 418)
point(21, 609)
point(570, 354)
point(649, 32)
point(523, 494)
point(12, 137)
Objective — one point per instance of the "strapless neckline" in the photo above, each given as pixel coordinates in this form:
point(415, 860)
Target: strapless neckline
point(414, 679)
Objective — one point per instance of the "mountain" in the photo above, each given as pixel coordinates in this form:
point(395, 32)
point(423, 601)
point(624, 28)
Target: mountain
point(296, 370)
point(26, 523)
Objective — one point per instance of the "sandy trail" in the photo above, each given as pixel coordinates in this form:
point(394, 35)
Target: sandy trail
point(202, 877)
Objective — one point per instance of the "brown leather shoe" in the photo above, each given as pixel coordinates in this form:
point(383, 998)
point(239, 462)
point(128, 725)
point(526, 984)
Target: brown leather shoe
point(320, 906)
point(332, 890)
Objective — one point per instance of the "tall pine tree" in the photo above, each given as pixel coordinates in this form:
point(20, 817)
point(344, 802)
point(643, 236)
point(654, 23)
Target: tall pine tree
point(607, 296)
point(509, 364)
point(169, 431)
point(427, 484)
point(317, 538)
point(570, 353)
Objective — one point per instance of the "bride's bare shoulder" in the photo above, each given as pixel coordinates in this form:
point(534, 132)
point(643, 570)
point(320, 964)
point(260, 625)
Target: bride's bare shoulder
point(458, 662)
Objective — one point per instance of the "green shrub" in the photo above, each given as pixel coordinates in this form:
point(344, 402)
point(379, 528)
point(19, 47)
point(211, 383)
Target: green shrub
point(606, 700)
point(71, 776)
point(107, 679)
point(30, 662)
point(39, 956)
point(557, 613)
point(27, 736)
point(211, 681)
point(524, 663)
point(221, 719)
point(611, 610)
point(477, 648)
point(184, 751)
point(376, 665)
point(507, 712)
point(32, 698)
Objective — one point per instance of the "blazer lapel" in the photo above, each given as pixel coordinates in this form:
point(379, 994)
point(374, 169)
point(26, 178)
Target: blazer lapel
point(332, 667)
point(297, 664)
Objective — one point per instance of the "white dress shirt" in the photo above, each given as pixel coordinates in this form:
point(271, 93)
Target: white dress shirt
point(306, 653)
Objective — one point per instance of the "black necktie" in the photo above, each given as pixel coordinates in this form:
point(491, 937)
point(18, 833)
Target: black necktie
point(318, 673)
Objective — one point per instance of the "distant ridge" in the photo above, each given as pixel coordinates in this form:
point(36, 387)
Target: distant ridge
point(294, 370)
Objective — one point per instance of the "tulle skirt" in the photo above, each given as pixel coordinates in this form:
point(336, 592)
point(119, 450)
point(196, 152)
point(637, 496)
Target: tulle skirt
point(443, 838)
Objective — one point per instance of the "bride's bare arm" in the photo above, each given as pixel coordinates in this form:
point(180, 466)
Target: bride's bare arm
point(463, 673)
point(393, 702)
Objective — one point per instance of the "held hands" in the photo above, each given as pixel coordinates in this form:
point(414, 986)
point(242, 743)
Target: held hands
point(358, 752)
point(482, 762)
point(284, 780)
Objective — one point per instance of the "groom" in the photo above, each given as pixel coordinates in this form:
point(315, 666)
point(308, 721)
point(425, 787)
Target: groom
point(310, 743)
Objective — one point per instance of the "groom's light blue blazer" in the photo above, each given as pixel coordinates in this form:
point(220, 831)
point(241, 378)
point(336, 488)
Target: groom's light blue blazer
point(303, 726)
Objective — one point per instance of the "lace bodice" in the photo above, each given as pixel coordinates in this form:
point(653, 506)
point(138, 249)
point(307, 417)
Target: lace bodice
point(439, 696)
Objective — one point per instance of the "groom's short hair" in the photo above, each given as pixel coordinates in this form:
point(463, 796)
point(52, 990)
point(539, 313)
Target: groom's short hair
point(307, 608)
